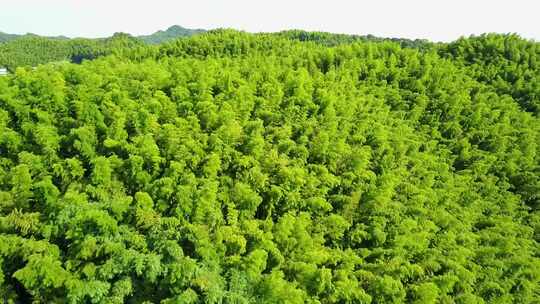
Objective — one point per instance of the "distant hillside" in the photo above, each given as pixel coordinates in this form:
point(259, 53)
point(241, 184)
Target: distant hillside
point(32, 50)
point(333, 39)
point(4, 37)
point(171, 33)
point(7, 37)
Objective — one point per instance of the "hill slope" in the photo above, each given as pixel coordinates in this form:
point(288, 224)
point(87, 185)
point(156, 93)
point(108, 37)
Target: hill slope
point(30, 51)
point(173, 32)
point(10, 37)
point(7, 37)
point(239, 168)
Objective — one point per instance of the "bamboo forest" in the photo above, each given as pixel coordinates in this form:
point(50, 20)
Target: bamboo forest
point(290, 167)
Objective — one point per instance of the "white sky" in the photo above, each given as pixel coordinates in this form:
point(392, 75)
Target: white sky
point(431, 19)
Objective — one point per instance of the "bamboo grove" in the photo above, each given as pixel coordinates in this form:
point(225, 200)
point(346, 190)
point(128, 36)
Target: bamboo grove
point(262, 168)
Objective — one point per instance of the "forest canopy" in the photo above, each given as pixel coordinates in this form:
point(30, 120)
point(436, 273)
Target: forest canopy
point(270, 168)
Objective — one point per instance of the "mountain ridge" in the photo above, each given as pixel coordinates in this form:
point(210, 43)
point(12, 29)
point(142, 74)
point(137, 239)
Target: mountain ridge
point(171, 33)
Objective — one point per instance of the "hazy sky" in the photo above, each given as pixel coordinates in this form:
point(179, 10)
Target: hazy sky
point(432, 19)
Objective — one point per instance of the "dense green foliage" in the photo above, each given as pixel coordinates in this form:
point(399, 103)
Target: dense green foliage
point(34, 50)
point(173, 32)
point(508, 64)
point(330, 39)
point(31, 50)
point(239, 168)
point(4, 37)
